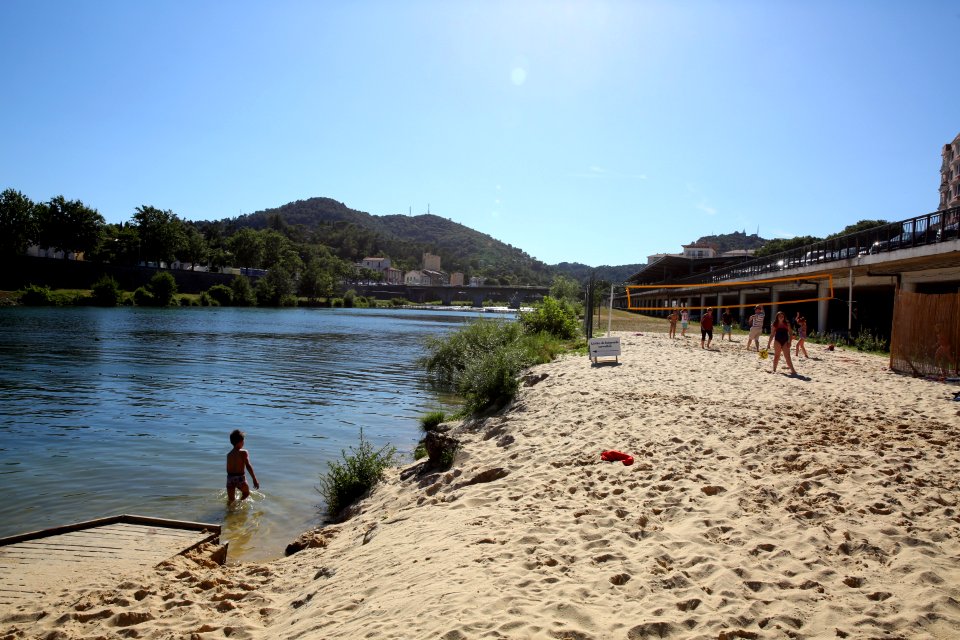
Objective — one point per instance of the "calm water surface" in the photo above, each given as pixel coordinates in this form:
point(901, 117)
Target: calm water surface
point(106, 411)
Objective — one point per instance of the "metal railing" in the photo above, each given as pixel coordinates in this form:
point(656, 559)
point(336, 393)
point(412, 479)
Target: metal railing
point(939, 226)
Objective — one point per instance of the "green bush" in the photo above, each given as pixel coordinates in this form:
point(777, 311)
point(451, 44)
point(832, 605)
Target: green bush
point(243, 294)
point(349, 298)
point(34, 296)
point(399, 302)
point(106, 292)
point(164, 288)
point(360, 470)
point(143, 298)
point(553, 316)
point(482, 361)
point(221, 294)
point(866, 341)
point(430, 421)
point(449, 356)
point(206, 300)
point(491, 378)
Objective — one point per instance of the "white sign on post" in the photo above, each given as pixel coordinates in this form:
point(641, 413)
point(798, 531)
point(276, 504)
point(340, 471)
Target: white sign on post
point(604, 348)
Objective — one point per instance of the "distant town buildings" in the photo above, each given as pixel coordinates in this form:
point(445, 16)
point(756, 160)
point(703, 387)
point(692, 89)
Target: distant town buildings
point(376, 264)
point(37, 251)
point(950, 175)
point(431, 262)
point(699, 250)
point(429, 275)
point(393, 276)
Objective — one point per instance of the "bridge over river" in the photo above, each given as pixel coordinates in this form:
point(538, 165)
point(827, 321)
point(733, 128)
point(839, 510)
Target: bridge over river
point(448, 294)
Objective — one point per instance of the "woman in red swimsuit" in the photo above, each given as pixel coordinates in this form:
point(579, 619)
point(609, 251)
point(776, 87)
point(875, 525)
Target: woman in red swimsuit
point(781, 335)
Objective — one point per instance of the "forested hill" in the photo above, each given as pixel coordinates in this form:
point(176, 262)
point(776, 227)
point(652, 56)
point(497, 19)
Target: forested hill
point(581, 272)
point(733, 241)
point(353, 235)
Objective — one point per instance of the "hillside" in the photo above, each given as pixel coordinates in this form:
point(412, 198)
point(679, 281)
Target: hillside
point(732, 241)
point(354, 235)
point(581, 272)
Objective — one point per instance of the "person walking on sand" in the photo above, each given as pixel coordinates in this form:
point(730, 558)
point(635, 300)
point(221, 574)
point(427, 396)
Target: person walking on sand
point(238, 461)
point(673, 322)
point(756, 327)
point(726, 320)
point(706, 328)
point(684, 321)
point(801, 335)
point(781, 334)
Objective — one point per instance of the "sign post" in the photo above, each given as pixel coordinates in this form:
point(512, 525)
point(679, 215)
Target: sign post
point(604, 348)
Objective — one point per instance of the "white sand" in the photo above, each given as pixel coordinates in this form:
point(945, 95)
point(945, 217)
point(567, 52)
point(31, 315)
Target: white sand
point(759, 506)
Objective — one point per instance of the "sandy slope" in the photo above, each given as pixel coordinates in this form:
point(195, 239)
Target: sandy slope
point(759, 506)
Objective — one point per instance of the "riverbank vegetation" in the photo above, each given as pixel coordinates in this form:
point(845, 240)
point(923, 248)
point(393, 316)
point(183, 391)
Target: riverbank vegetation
point(307, 248)
point(482, 361)
point(356, 473)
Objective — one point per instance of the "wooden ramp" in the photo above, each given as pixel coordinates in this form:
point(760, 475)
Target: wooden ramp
point(82, 554)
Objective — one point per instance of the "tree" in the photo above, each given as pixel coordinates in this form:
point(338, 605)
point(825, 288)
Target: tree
point(195, 247)
point(564, 288)
point(784, 244)
point(862, 225)
point(275, 288)
point(278, 251)
point(68, 225)
point(243, 295)
point(315, 282)
point(18, 223)
point(161, 234)
point(247, 248)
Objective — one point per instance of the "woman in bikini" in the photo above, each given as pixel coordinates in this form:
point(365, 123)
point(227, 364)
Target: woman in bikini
point(781, 335)
point(801, 336)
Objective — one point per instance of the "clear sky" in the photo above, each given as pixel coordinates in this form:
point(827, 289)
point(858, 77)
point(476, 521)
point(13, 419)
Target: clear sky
point(594, 132)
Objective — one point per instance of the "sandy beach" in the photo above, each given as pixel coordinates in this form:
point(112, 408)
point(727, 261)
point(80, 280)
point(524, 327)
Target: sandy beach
point(759, 506)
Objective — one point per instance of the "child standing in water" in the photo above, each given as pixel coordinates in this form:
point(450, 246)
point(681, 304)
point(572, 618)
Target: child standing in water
point(238, 461)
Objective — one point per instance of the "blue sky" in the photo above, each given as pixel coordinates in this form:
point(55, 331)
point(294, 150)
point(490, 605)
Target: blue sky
point(594, 132)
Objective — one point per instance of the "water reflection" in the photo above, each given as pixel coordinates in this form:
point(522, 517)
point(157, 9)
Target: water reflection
point(128, 410)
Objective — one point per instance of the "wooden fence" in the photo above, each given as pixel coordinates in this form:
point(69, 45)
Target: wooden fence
point(926, 334)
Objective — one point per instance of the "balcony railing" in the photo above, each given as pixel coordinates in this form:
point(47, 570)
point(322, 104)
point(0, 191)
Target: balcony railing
point(932, 228)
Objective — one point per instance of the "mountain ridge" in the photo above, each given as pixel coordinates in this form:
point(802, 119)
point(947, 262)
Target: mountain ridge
point(355, 234)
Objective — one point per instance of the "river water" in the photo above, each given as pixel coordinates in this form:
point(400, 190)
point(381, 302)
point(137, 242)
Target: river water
point(128, 410)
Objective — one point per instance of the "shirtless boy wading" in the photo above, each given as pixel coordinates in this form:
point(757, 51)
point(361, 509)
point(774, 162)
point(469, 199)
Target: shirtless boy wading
point(238, 461)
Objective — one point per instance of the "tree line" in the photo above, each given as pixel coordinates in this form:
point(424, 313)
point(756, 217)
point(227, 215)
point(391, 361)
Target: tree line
point(295, 262)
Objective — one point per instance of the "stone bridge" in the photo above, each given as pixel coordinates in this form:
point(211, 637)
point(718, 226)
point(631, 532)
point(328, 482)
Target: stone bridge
point(447, 294)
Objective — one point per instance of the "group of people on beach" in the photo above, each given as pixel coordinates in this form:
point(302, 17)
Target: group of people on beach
point(781, 331)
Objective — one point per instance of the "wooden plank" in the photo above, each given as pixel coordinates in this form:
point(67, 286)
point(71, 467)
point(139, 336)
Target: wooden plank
point(121, 519)
point(36, 562)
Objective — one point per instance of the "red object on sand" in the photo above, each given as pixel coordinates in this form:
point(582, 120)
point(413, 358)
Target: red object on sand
point(613, 456)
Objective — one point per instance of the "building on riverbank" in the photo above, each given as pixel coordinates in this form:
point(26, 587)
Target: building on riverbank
point(950, 175)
